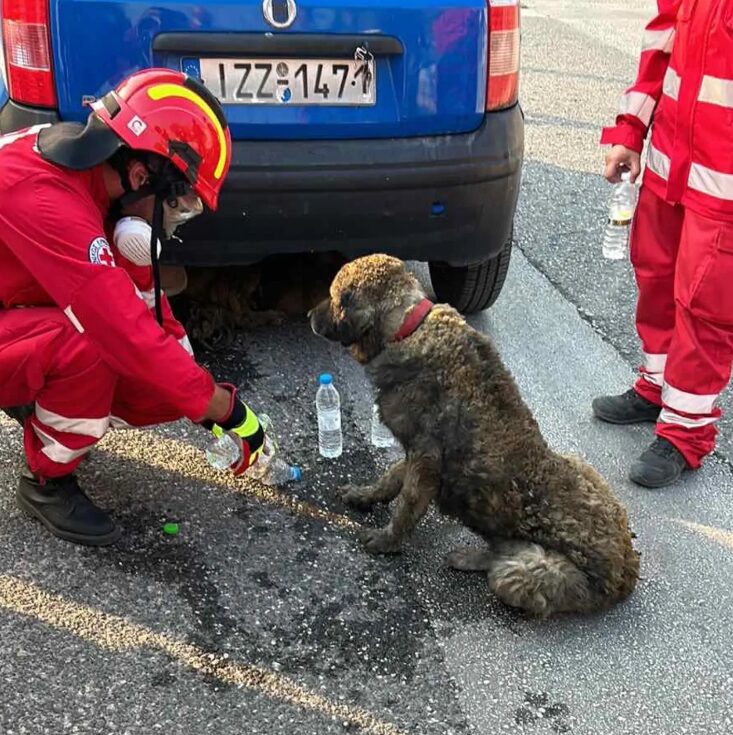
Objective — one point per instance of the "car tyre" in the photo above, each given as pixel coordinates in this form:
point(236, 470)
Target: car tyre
point(472, 288)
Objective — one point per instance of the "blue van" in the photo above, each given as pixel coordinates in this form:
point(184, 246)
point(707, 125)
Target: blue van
point(380, 125)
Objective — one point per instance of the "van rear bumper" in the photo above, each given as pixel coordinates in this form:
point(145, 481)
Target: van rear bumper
point(448, 198)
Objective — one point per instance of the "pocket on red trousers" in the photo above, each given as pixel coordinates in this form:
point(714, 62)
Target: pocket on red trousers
point(705, 269)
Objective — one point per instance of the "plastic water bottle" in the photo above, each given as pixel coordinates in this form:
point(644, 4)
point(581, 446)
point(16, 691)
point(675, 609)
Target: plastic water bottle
point(382, 437)
point(621, 206)
point(223, 452)
point(273, 470)
point(270, 468)
point(328, 408)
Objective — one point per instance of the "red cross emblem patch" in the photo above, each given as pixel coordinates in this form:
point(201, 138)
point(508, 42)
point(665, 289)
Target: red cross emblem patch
point(100, 253)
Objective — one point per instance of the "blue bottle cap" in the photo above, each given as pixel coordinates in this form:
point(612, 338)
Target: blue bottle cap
point(326, 379)
point(297, 474)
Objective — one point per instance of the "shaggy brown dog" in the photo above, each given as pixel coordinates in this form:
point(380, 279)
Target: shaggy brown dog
point(558, 538)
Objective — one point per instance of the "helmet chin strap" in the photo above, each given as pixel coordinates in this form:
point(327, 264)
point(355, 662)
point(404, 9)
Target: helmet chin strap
point(155, 234)
point(158, 187)
point(161, 187)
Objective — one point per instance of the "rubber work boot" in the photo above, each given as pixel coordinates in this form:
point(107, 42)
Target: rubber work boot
point(61, 505)
point(628, 408)
point(661, 465)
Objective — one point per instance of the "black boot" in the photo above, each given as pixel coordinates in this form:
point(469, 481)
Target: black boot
point(628, 408)
point(661, 465)
point(61, 505)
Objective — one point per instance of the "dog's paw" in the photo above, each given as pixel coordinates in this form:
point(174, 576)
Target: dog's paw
point(379, 541)
point(358, 496)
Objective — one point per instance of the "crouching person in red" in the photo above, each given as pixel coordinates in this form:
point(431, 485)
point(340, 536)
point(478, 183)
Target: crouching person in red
point(79, 339)
point(682, 236)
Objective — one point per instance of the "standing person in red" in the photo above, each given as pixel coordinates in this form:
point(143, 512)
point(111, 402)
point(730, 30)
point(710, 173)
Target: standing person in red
point(682, 235)
point(78, 339)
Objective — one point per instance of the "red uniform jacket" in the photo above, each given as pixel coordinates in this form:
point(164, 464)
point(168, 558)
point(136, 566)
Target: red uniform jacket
point(54, 250)
point(684, 91)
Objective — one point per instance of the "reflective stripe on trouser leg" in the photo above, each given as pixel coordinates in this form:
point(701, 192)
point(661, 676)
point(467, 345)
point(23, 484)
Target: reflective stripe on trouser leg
point(655, 239)
point(59, 448)
point(64, 440)
point(45, 360)
point(699, 361)
point(72, 408)
point(689, 413)
point(652, 373)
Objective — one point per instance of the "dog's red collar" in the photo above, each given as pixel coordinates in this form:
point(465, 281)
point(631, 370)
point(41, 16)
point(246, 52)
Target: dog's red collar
point(413, 320)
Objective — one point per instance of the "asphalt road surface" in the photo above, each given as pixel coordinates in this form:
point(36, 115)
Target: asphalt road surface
point(265, 616)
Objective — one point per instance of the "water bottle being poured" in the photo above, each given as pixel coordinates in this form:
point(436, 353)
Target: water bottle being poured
point(270, 468)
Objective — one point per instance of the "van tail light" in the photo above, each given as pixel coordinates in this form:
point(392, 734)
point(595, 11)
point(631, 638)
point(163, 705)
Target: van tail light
point(27, 48)
point(502, 81)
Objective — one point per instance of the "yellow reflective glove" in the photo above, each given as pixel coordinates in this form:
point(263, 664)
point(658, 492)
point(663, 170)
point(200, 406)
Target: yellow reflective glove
point(243, 425)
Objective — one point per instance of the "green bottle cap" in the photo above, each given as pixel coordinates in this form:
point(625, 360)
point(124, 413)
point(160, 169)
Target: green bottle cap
point(171, 528)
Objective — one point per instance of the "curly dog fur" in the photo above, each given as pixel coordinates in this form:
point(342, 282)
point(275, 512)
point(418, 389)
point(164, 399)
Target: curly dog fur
point(558, 539)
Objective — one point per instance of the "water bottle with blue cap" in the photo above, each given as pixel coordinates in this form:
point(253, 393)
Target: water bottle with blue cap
point(328, 408)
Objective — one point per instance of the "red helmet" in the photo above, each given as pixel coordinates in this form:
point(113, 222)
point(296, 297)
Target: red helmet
point(175, 116)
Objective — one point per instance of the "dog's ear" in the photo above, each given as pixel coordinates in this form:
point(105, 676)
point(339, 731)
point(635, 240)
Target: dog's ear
point(347, 298)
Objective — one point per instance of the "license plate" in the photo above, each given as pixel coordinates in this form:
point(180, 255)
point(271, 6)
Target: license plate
point(290, 81)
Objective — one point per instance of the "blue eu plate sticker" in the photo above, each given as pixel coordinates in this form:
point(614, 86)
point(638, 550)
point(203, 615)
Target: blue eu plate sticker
point(191, 67)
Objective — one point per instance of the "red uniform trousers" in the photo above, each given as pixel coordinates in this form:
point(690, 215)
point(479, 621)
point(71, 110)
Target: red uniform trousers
point(46, 361)
point(684, 270)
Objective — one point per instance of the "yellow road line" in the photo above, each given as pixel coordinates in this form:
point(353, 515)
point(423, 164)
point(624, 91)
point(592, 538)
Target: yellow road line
point(721, 536)
point(115, 633)
point(171, 455)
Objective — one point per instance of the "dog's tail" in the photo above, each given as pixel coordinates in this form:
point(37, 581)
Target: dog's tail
point(525, 575)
